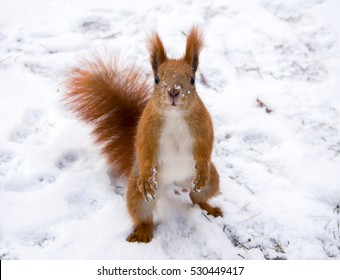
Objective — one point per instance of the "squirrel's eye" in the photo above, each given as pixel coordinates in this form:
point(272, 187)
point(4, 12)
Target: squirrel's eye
point(157, 80)
point(192, 81)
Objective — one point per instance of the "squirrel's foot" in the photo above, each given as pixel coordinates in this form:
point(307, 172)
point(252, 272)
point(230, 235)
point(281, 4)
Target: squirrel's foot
point(214, 211)
point(142, 233)
point(201, 178)
point(147, 185)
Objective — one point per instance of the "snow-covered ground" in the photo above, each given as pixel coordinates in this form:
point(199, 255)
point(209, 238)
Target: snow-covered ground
point(269, 75)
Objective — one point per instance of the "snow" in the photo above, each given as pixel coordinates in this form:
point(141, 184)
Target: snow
point(269, 75)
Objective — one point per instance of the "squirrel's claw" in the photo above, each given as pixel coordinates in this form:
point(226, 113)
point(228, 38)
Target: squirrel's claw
point(147, 185)
point(201, 179)
point(149, 196)
point(147, 190)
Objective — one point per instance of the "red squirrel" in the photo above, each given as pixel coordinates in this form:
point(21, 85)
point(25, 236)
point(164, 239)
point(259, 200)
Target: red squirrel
point(154, 139)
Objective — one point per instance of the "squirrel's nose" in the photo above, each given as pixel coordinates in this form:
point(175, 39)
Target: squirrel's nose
point(173, 92)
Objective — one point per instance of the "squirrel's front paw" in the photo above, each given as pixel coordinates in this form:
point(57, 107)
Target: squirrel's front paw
point(201, 178)
point(147, 184)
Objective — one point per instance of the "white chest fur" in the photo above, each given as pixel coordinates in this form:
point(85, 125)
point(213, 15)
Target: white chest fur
point(175, 154)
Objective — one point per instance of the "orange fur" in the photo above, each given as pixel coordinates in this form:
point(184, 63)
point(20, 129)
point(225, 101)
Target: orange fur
point(193, 47)
point(157, 52)
point(130, 121)
point(112, 99)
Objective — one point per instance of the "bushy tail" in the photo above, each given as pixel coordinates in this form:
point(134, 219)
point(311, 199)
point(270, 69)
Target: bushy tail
point(112, 99)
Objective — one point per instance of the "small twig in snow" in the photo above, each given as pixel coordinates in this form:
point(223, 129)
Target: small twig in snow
point(110, 36)
point(277, 246)
point(241, 256)
point(233, 238)
point(206, 217)
point(327, 224)
point(262, 105)
point(249, 189)
point(240, 244)
point(8, 57)
point(254, 216)
point(256, 69)
point(244, 185)
point(244, 207)
point(299, 66)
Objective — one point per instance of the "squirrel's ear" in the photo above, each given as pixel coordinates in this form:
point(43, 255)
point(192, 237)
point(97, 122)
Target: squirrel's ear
point(193, 48)
point(157, 52)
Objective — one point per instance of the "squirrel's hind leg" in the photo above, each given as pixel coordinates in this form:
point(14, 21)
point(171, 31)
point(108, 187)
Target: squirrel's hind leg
point(212, 189)
point(141, 212)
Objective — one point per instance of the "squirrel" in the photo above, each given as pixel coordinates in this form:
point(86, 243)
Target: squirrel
point(153, 138)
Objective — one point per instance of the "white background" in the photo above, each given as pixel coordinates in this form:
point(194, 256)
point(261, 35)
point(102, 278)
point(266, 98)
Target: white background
point(40, 270)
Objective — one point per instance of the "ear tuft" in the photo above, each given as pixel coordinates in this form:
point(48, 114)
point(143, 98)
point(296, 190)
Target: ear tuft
point(157, 51)
point(193, 47)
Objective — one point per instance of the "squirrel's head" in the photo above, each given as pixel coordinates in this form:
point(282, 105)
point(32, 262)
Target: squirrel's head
point(175, 78)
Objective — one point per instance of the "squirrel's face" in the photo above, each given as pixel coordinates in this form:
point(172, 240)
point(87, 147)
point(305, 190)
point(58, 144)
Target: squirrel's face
point(175, 78)
point(175, 85)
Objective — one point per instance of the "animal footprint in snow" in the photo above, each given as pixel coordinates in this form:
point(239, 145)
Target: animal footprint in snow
point(33, 123)
point(66, 160)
